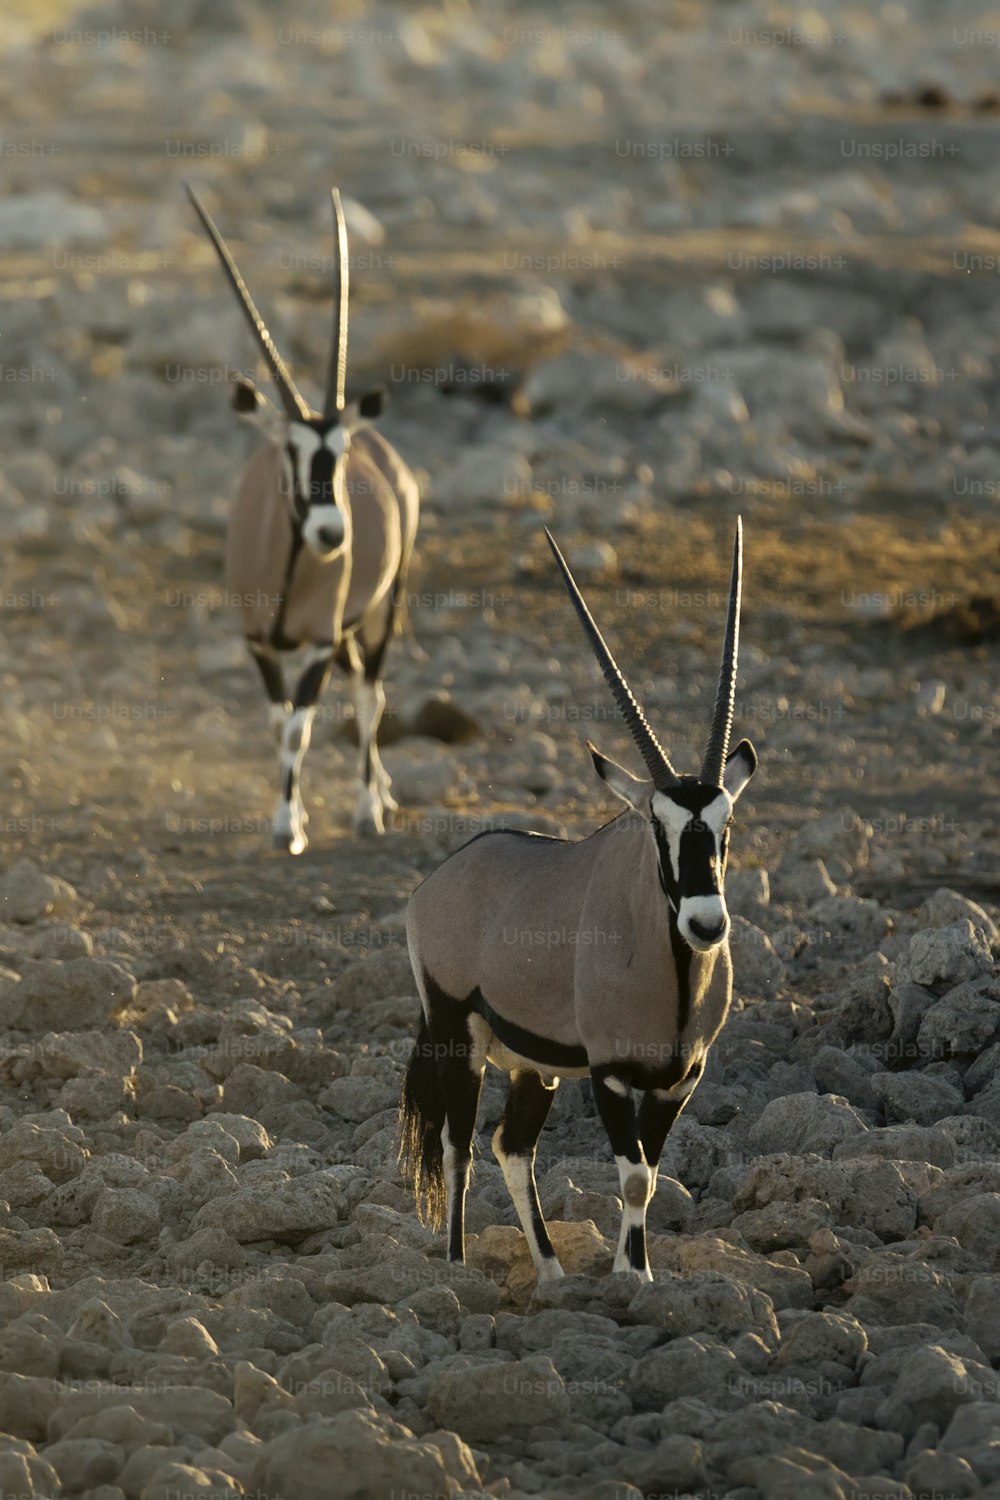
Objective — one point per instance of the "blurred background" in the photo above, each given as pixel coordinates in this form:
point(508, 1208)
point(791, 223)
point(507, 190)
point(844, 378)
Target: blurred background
point(628, 270)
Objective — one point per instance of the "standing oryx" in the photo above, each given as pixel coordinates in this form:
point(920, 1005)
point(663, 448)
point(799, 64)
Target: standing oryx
point(317, 551)
point(607, 957)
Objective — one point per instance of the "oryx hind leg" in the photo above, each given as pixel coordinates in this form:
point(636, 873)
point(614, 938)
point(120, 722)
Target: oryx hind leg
point(461, 1063)
point(514, 1143)
point(290, 816)
point(616, 1107)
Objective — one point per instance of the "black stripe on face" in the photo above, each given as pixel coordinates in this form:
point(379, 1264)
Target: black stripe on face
point(321, 477)
point(537, 1049)
point(699, 874)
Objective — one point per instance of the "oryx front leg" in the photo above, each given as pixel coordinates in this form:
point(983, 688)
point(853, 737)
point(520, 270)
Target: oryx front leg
point(616, 1107)
point(658, 1111)
point(527, 1108)
point(296, 731)
point(375, 798)
point(273, 679)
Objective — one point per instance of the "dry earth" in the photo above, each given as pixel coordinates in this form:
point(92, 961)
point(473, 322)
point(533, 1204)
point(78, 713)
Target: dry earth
point(631, 271)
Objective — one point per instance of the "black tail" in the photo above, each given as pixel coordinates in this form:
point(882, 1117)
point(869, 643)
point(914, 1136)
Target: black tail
point(421, 1121)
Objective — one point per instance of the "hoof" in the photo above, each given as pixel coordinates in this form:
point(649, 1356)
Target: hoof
point(639, 1277)
point(368, 821)
point(288, 843)
point(550, 1271)
point(369, 827)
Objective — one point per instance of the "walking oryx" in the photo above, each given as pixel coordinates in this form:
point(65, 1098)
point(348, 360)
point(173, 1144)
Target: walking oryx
point(318, 547)
point(607, 957)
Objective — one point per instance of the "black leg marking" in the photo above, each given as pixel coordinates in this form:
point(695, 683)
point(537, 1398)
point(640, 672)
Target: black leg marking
point(657, 1114)
point(528, 1103)
point(314, 678)
point(656, 1118)
point(616, 1107)
point(617, 1112)
point(460, 1071)
point(271, 674)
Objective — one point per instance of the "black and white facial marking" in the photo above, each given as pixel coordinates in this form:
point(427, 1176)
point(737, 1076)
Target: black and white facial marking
point(689, 821)
point(315, 453)
point(691, 825)
point(314, 457)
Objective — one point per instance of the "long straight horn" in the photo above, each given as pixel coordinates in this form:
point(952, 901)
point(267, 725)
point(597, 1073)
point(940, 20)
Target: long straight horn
point(336, 380)
point(657, 764)
point(293, 403)
point(722, 720)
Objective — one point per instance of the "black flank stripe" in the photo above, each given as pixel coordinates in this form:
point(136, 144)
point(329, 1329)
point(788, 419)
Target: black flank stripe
point(537, 1049)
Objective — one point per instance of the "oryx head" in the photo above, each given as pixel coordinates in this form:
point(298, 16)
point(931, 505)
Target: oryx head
point(688, 816)
point(313, 444)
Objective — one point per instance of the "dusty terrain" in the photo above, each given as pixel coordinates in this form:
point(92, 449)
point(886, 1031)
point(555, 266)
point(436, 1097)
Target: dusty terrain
point(628, 272)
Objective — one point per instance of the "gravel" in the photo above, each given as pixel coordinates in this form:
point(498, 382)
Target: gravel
point(629, 326)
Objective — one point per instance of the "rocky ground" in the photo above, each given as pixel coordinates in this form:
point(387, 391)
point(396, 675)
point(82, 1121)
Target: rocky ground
point(629, 271)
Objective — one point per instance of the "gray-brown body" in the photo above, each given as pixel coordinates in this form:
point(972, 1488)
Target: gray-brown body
point(320, 597)
point(571, 941)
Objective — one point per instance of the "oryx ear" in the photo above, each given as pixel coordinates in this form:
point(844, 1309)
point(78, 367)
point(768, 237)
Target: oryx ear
point(256, 409)
point(368, 408)
point(740, 765)
point(631, 789)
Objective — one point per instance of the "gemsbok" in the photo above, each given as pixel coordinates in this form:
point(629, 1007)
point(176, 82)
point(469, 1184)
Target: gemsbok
point(607, 957)
point(318, 546)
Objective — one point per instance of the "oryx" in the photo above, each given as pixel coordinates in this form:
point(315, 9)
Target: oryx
point(608, 957)
point(318, 545)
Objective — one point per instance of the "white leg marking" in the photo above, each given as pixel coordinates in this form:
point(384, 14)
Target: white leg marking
point(375, 798)
point(637, 1183)
point(518, 1174)
point(456, 1180)
point(290, 818)
point(448, 1166)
